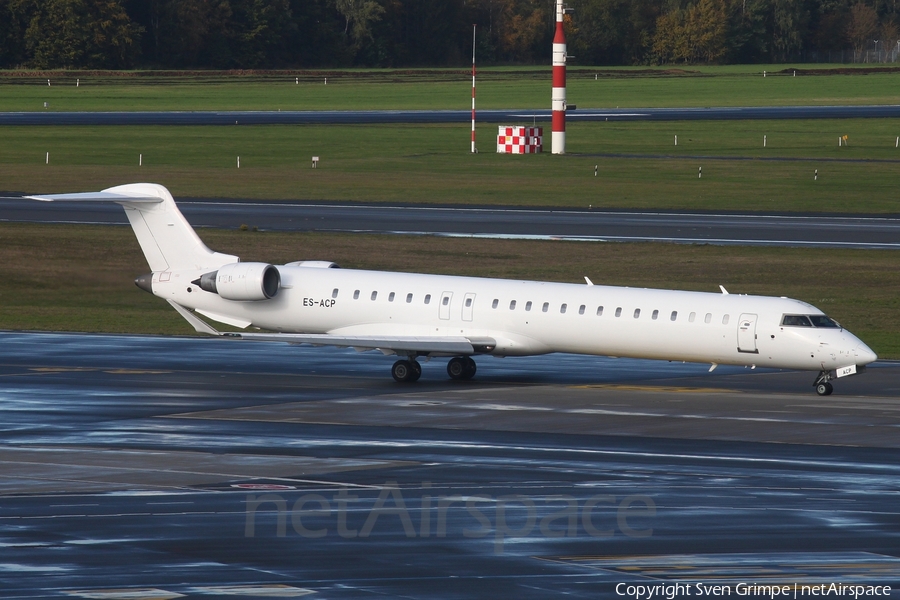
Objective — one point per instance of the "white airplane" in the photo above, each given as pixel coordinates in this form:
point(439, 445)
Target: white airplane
point(414, 315)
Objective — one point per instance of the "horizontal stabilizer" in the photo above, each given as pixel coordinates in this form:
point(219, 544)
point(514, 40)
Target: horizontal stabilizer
point(95, 197)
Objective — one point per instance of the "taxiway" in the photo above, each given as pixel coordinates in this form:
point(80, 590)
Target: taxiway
point(155, 467)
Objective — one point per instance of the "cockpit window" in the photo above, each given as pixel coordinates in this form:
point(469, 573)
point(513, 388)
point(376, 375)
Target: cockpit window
point(823, 321)
point(809, 321)
point(796, 321)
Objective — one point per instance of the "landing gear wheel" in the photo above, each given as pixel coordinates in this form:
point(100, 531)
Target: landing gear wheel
point(406, 370)
point(824, 389)
point(470, 368)
point(416, 370)
point(461, 367)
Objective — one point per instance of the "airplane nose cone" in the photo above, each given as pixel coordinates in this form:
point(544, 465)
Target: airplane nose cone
point(865, 355)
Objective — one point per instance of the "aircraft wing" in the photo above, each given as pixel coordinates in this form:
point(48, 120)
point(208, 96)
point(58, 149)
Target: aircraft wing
point(387, 345)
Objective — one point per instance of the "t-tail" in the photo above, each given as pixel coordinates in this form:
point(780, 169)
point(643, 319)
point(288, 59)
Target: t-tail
point(167, 239)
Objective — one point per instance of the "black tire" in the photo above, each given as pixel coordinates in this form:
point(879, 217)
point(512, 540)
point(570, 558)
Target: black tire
point(471, 367)
point(824, 389)
point(416, 371)
point(457, 367)
point(402, 370)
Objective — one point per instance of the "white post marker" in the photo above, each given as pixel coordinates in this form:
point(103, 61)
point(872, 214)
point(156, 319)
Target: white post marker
point(140, 160)
point(699, 172)
point(816, 176)
point(764, 141)
point(239, 162)
point(48, 159)
point(78, 82)
point(676, 140)
point(473, 90)
point(297, 81)
point(315, 162)
point(897, 144)
point(596, 168)
point(48, 83)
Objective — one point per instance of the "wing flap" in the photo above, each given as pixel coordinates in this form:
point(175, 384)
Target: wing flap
point(443, 344)
point(387, 345)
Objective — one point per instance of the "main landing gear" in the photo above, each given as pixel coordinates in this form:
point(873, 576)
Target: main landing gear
point(823, 384)
point(406, 370)
point(459, 367)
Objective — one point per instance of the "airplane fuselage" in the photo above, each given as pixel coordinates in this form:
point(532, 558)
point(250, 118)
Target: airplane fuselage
point(528, 317)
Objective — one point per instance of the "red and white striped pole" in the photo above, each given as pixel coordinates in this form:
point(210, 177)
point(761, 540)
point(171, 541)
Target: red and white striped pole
point(473, 89)
point(558, 97)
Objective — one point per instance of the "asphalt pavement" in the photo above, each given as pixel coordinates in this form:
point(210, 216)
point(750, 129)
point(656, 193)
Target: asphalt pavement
point(511, 116)
point(835, 231)
point(158, 467)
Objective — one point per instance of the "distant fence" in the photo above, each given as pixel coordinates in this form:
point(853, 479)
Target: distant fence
point(875, 52)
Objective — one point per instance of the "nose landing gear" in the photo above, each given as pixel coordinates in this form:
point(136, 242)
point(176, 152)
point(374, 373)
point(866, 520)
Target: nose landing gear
point(823, 384)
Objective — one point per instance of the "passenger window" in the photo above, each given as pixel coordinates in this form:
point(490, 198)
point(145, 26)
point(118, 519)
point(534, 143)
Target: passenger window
point(725, 320)
point(581, 309)
point(599, 311)
point(391, 297)
point(655, 315)
point(468, 302)
point(692, 316)
point(562, 309)
point(545, 307)
point(512, 305)
point(374, 295)
point(445, 300)
point(637, 313)
point(408, 298)
point(707, 318)
point(356, 295)
point(427, 298)
point(674, 315)
point(528, 306)
point(334, 293)
point(619, 311)
point(495, 303)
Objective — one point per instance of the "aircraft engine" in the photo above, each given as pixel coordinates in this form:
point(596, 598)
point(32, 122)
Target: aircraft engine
point(242, 281)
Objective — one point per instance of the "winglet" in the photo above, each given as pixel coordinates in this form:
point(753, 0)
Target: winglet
point(198, 324)
point(724, 291)
point(588, 281)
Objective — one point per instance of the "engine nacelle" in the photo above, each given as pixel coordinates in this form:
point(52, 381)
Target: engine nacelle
point(242, 281)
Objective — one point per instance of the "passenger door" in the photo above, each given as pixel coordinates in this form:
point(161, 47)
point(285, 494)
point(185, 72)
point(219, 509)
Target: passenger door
point(747, 334)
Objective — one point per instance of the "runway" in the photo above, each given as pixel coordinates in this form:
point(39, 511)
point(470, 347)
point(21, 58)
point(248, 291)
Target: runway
point(334, 117)
point(870, 231)
point(154, 467)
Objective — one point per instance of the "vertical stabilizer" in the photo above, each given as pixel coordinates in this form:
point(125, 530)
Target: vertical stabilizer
point(167, 239)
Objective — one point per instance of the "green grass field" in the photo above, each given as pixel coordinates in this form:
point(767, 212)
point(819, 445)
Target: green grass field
point(79, 278)
point(638, 164)
point(451, 89)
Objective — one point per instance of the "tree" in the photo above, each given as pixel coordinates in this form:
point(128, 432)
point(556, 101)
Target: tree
point(692, 35)
point(76, 33)
point(863, 25)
